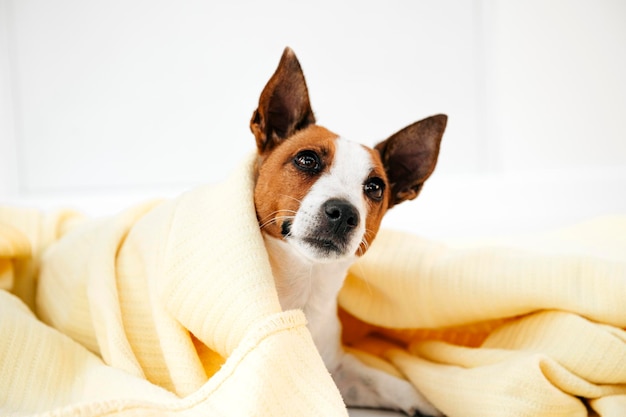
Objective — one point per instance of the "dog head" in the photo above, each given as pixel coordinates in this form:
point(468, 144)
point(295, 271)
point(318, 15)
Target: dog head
point(320, 193)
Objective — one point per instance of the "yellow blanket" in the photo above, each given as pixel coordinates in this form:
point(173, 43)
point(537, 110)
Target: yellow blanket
point(169, 309)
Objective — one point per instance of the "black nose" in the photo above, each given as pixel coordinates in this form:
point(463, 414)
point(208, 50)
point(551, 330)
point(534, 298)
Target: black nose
point(342, 216)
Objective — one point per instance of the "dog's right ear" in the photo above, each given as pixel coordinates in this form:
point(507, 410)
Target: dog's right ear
point(284, 106)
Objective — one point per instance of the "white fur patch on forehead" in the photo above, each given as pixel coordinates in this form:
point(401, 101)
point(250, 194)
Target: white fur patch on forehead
point(343, 180)
point(348, 171)
point(350, 167)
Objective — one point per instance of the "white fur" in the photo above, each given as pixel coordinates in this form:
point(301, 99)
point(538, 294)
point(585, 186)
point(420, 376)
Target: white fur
point(312, 287)
point(305, 280)
point(350, 168)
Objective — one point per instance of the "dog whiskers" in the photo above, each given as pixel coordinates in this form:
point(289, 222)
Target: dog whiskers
point(363, 247)
point(297, 200)
point(273, 220)
point(277, 212)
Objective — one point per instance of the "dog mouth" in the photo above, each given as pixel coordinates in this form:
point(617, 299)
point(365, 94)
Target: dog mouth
point(321, 237)
point(326, 246)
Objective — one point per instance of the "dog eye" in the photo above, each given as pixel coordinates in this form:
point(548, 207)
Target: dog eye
point(374, 188)
point(308, 161)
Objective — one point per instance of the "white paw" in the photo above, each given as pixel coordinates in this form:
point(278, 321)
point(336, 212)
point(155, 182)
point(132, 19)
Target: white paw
point(409, 399)
point(363, 386)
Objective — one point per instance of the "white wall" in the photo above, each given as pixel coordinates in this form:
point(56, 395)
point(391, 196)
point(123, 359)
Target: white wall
point(8, 137)
point(130, 98)
point(123, 93)
point(559, 85)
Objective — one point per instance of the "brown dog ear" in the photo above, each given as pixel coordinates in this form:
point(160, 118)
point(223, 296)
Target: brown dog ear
point(284, 106)
point(410, 155)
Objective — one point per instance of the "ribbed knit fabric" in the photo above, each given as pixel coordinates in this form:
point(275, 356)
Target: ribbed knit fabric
point(168, 309)
point(517, 327)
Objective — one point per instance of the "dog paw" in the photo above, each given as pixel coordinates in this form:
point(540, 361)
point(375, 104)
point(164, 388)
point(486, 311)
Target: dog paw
point(364, 386)
point(408, 399)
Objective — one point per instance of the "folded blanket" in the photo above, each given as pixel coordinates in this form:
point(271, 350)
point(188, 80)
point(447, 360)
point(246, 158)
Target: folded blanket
point(530, 328)
point(168, 308)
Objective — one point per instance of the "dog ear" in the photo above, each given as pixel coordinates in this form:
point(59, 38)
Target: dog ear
point(410, 155)
point(284, 106)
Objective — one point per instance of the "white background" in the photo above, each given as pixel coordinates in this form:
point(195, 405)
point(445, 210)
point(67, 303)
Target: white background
point(103, 103)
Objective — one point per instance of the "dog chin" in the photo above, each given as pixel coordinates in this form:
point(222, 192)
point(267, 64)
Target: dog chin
point(322, 250)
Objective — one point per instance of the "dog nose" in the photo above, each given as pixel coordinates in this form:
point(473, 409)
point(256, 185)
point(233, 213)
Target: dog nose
point(341, 215)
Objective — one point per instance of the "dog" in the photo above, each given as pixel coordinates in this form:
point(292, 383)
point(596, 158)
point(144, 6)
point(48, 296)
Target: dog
point(319, 200)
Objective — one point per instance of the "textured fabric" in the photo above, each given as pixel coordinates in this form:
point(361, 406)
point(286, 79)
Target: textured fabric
point(168, 308)
point(529, 326)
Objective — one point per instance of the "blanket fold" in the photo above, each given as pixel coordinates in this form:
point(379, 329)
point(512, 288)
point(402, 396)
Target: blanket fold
point(531, 329)
point(168, 308)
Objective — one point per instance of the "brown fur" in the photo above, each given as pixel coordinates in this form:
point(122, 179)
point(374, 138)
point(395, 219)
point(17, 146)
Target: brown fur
point(280, 186)
point(284, 124)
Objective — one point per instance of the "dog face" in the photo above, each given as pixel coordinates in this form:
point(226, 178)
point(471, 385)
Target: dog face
point(319, 192)
point(322, 193)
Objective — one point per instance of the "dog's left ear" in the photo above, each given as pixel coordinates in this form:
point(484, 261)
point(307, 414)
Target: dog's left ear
point(284, 106)
point(410, 155)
